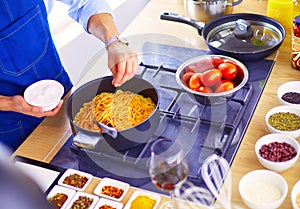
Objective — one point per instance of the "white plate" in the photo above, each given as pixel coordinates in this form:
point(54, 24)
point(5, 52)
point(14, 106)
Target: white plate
point(104, 201)
point(60, 189)
point(295, 191)
point(111, 182)
point(43, 177)
point(71, 172)
point(78, 194)
point(137, 193)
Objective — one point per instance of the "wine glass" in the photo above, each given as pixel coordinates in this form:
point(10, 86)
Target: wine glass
point(168, 167)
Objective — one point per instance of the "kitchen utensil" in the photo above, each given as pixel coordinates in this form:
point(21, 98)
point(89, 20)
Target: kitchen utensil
point(216, 175)
point(243, 36)
point(207, 10)
point(109, 130)
point(194, 194)
point(129, 138)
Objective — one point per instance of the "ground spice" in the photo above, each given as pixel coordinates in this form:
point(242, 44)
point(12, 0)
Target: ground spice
point(284, 121)
point(291, 97)
point(144, 202)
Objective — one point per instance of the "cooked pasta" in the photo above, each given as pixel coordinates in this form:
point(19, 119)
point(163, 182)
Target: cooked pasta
point(121, 110)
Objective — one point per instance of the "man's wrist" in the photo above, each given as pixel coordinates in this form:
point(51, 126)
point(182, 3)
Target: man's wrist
point(115, 39)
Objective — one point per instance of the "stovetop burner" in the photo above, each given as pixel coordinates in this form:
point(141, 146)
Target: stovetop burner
point(203, 129)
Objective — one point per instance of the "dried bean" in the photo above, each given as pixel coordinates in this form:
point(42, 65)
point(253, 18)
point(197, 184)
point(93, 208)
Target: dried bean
point(284, 121)
point(277, 151)
point(291, 97)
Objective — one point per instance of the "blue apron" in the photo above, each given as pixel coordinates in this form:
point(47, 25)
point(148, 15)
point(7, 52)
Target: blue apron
point(27, 54)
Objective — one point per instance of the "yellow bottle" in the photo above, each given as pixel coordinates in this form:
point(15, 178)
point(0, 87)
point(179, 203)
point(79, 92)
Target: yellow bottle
point(296, 8)
point(282, 11)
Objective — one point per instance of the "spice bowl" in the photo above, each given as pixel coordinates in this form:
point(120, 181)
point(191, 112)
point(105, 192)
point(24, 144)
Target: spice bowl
point(263, 189)
point(289, 93)
point(277, 152)
point(44, 93)
point(284, 119)
point(295, 195)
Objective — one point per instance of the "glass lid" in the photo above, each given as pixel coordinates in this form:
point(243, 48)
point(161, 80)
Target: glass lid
point(243, 36)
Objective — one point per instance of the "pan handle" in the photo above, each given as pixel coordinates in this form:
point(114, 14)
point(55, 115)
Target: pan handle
point(182, 19)
point(234, 3)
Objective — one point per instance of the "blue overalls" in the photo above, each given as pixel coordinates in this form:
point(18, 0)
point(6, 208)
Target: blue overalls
point(27, 54)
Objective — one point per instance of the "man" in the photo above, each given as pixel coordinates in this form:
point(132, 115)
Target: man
point(28, 54)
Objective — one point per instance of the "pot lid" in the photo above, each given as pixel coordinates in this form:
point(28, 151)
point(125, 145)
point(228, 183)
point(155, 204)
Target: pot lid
point(245, 36)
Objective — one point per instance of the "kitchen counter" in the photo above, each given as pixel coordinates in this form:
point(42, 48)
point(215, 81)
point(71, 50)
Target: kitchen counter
point(49, 137)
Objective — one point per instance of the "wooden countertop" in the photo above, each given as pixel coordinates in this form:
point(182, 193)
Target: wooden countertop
point(47, 139)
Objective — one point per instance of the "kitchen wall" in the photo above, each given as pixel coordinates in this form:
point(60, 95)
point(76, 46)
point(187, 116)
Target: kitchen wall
point(76, 47)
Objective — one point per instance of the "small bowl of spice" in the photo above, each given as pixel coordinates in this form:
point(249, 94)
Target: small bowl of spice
point(284, 119)
point(289, 93)
point(263, 189)
point(277, 152)
point(295, 195)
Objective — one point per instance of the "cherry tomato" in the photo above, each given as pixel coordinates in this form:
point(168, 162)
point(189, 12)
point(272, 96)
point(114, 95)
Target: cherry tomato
point(195, 81)
point(186, 77)
point(228, 70)
point(226, 85)
point(200, 66)
point(216, 61)
point(204, 89)
point(211, 77)
point(296, 30)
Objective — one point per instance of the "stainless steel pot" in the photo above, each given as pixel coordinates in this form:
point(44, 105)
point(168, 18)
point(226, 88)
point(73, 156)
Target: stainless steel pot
point(207, 10)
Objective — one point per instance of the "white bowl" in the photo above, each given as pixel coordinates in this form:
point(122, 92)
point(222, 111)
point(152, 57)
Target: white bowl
point(283, 108)
point(111, 203)
point(122, 186)
point(60, 189)
point(137, 193)
point(44, 93)
point(69, 172)
point(277, 166)
point(263, 189)
point(294, 193)
point(291, 86)
point(94, 199)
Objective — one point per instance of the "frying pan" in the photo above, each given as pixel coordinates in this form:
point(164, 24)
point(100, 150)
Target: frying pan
point(243, 36)
point(125, 139)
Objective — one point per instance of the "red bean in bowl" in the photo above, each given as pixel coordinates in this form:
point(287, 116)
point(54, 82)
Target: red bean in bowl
point(277, 151)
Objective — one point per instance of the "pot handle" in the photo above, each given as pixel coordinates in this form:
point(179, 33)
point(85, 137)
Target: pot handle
point(182, 19)
point(85, 141)
point(233, 3)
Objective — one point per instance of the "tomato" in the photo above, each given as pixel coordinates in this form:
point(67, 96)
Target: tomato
point(216, 61)
point(195, 81)
point(296, 31)
point(211, 77)
point(186, 77)
point(204, 89)
point(226, 85)
point(228, 70)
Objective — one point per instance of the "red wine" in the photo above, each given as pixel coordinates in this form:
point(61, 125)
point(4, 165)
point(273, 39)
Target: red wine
point(167, 176)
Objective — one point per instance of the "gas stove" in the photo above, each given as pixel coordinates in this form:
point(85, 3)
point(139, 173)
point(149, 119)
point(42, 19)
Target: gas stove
point(203, 129)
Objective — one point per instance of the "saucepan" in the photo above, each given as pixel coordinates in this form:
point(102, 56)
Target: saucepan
point(125, 139)
point(207, 10)
point(243, 36)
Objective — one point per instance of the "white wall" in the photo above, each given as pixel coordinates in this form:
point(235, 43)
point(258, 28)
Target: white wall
point(75, 46)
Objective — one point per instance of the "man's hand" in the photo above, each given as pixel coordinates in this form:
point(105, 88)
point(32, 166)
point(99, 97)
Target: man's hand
point(18, 104)
point(122, 62)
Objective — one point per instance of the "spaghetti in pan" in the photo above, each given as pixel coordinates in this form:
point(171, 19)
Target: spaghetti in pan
point(121, 110)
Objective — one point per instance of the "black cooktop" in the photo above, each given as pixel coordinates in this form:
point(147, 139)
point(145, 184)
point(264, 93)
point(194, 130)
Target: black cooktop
point(203, 129)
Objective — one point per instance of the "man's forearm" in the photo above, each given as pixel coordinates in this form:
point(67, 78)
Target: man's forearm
point(102, 26)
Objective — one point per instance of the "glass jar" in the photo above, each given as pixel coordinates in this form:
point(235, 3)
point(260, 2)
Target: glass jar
point(296, 43)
